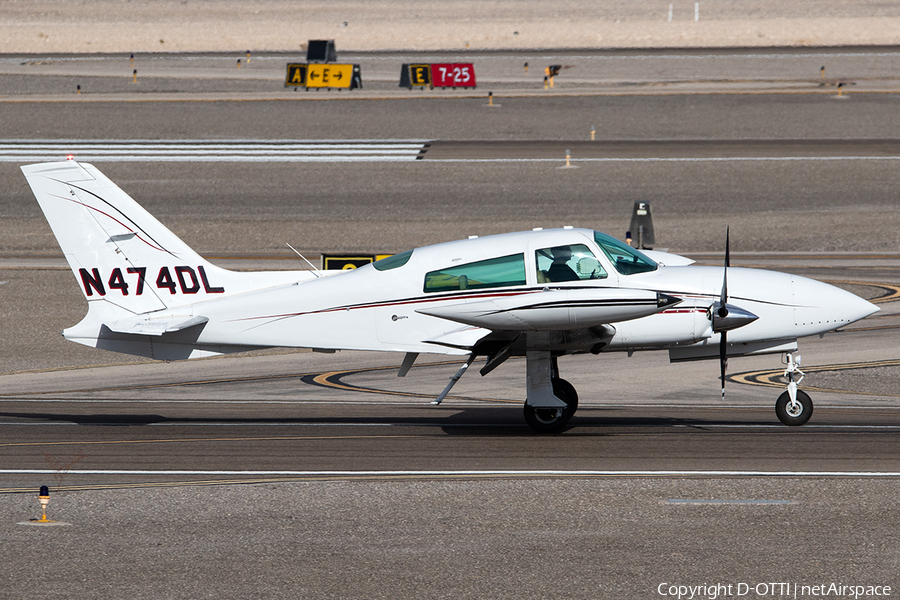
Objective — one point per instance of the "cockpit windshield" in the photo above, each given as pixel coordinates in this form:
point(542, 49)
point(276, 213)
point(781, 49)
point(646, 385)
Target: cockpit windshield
point(626, 259)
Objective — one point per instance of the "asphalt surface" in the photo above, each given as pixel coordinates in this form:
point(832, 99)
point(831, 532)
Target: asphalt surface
point(325, 475)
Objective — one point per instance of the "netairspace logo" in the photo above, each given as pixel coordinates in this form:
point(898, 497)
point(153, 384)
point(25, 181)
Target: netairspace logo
point(724, 591)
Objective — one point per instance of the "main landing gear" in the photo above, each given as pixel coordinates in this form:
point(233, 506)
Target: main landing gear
point(553, 419)
point(551, 400)
point(793, 407)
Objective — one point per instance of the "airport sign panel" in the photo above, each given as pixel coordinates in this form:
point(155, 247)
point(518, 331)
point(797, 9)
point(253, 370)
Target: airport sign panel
point(420, 75)
point(453, 75)
point(329, 76)
point(346, 262)
point(322, 75)
point(296, 75)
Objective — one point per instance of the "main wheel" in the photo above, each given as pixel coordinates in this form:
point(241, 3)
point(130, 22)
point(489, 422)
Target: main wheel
point(794, 415)
point(565, 391)
point(552, 420)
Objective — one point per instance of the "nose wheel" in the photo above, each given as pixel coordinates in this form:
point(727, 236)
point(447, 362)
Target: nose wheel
point(553, 420)
point(794, 407)
point(794, 413)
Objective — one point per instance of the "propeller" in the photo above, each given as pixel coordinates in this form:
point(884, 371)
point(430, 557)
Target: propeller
point(726, 317)
point(722, 312)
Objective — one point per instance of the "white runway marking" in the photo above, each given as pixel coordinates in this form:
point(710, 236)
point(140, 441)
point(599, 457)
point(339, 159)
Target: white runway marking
point(205, 151)
point(307, 151)
point(460, 473)
point(487, 404)
point(664, 159)
point(698, 425)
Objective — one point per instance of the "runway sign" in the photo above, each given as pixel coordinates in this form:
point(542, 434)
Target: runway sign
point(453, 75)
point(323, 76)
point(296, 75)
point(329, 76)
point(437, 75)
point(346, 262)
point(415, 76)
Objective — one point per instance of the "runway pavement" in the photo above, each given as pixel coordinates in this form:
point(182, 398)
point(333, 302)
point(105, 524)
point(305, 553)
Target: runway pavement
point(353, 484)
point(303, 415)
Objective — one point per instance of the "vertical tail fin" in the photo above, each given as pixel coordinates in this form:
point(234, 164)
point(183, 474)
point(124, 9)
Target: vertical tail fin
point(145, 287)
point(117, 250)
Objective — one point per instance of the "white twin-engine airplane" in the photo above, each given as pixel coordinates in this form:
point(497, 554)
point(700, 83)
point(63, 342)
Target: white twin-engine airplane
point(540, 294)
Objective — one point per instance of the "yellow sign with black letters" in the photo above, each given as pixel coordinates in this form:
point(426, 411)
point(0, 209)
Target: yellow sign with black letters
point(296, 75)
point(331, 262)
point(323, 75)
point(329, 76)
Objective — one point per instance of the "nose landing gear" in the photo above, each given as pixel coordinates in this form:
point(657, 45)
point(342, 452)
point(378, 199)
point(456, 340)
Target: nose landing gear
point(793, 407)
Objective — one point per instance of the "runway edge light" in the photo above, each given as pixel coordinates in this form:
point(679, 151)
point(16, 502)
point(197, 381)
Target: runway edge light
point(44, 499)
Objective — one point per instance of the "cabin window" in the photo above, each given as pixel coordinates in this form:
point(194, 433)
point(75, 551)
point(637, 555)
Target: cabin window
point(494, 272)
point(626, 259)
point(574, 262)
point(392, 262)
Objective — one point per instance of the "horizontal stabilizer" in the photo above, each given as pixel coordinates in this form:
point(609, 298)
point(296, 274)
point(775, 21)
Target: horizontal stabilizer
point(158, 326)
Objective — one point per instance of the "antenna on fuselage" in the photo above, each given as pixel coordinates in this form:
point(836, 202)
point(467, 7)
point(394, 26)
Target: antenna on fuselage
point(316, 271)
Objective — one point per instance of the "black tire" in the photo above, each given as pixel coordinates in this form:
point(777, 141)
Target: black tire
point(796, 417)
point(553, 420)
point(566, 392)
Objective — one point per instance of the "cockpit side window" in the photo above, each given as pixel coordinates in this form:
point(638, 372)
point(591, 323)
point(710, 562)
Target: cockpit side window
point(574, 262)
point(393, 262)
point(495, 272)
point(626, 259)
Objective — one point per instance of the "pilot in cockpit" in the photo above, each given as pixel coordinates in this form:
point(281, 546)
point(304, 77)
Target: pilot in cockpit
point(560, 270)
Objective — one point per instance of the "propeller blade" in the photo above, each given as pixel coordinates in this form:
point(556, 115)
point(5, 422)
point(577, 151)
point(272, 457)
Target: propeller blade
point(723, 298)
point(723, 358)
point(727, 247)
point(723, 311)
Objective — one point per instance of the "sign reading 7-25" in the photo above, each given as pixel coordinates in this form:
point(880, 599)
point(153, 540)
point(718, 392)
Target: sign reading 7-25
point(453, 75)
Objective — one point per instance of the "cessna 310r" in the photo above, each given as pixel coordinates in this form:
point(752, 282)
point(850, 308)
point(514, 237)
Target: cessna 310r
point(539, 294)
